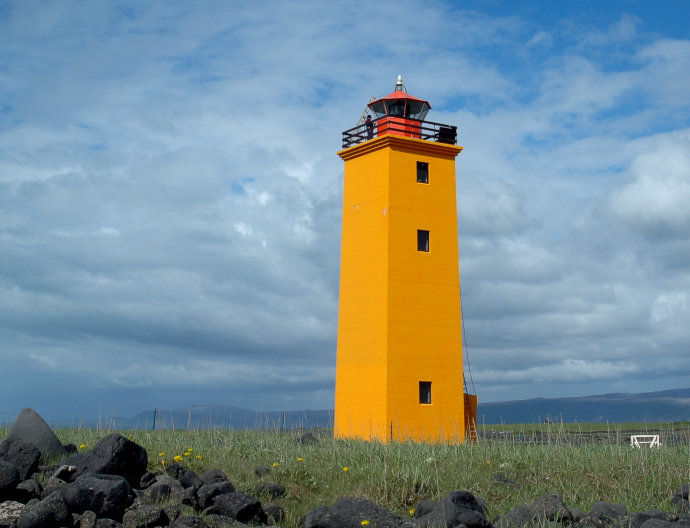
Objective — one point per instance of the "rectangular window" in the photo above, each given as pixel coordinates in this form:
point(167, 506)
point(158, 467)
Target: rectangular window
point(422, 240)
point(425, 392)
point(422, 172)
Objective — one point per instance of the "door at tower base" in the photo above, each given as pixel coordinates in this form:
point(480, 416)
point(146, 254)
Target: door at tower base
point(399, 360)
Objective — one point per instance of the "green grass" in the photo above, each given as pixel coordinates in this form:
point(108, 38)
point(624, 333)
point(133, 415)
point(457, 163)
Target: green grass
point(399, 475)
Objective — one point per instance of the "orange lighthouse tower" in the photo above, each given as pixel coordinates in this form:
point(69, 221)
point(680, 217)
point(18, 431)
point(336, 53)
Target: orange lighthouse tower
point(399, 363)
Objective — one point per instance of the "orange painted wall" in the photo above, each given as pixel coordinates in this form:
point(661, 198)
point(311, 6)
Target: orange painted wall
point(399, 313)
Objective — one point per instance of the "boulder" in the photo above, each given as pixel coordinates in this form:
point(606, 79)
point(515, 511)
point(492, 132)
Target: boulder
point(105, 495)
point(608, 510)
point(145, 516)
point(189, 479)
point(86, 520)
point(22, 455)
point(313, 517)
point(32, 429)
point(423, 507)
point(550, 507)
point(162, 488)
point(51, 512)
point(172, 512)
point(112, 455)
point(517, 517)
point(269, 489)
point(349, 512)
point(147, 479)
point(637, 520)
point(27, 490)
point(9, 478)
point(206, 493)
point(9, 513)
point(51, 486)
point(456, 508)
point(212, 476)
point(175, 470)
point(238, 506)
point(578, 513)
point(261, 471)
point(188, 498)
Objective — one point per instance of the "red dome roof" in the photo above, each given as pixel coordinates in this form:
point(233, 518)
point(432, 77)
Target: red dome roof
point(401, 95)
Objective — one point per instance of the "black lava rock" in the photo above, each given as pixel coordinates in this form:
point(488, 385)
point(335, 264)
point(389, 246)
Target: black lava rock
point(22, 455)
point(105, 495)
point(112, 455)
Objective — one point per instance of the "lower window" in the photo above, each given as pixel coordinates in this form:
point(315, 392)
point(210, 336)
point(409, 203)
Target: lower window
point(424, 392)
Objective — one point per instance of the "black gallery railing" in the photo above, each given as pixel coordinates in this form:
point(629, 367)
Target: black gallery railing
point(397, 126)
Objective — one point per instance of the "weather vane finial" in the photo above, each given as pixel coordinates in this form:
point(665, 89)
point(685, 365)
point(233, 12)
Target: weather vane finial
point(399, 86)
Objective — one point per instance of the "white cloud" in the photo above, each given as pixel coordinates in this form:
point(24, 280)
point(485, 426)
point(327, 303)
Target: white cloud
point(540, 39)
point(656, 199)
point(109, 231)
point(569, 370)
point(243, 229)
point(667, 305)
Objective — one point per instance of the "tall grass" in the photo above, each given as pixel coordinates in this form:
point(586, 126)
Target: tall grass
point(399, 475)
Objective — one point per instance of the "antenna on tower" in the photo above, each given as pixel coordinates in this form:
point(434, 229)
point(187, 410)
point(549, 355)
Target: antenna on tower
point(399, 86)
point(366, 111)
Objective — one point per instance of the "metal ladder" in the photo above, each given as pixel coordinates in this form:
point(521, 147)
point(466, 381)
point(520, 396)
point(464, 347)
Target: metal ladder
point(471, 425)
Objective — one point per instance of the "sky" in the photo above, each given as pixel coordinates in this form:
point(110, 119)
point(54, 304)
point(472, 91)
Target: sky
point(170, 194)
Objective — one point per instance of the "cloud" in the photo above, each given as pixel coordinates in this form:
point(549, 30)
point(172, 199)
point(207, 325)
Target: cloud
point(171, 197)
point(566, 371)
point(655, 200)
point(667, 305)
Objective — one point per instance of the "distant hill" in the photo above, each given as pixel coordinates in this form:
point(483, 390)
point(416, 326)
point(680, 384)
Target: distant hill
point(209, 417)
point(663, 406)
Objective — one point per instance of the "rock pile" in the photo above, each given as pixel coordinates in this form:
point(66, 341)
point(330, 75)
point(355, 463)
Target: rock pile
point(110, 487)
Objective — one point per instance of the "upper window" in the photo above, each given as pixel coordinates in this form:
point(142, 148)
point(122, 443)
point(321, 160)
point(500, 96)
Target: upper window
point(422, 240)
point(422, 172)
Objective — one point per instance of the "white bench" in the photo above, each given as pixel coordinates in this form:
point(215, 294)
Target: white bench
point(640, 440)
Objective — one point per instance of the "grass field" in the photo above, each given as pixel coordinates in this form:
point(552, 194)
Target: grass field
point(399, 475)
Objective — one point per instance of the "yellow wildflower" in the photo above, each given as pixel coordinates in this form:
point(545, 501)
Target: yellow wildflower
point(411, 511)
point(275, 464)
point(365, 522)
point(178, 458)
point(187, 453)
point(198, 457)
point(161, 454)
point(346, 469)
point(300, 459)
point(82, 446)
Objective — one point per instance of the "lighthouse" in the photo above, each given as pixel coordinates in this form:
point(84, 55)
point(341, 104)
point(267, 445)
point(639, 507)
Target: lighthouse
point(399, 373)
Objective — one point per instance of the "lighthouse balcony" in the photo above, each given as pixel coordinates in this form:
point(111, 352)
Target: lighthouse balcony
point(400, 126)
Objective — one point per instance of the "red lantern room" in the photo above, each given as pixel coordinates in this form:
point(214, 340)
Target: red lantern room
point(399, 113)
